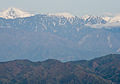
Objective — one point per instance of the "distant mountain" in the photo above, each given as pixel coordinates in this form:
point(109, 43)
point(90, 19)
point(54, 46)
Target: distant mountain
point(103, 70)
point(59, 36)
point(12, 13)
point(66, 15)
point(94, 20)
point(112, 19)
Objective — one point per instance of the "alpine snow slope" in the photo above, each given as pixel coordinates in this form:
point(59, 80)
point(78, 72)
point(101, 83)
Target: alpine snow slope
point(59, 36)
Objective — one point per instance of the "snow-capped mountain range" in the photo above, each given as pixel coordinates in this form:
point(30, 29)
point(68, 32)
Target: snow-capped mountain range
point(13, 13)
point(65, 14)
point(57, 36)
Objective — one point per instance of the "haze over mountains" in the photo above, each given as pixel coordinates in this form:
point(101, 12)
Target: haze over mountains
point(60, 36)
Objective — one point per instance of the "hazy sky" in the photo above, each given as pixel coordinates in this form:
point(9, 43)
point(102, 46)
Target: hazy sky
point(75, 7)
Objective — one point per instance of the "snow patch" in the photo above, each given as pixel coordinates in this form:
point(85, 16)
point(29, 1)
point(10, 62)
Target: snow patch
point(115, 19)
point(36, 28)
point(66, 15)
point(54, 24)
point(109, 41)
point(44, 27)
point(85, 17)
point(12, 13)
point(107, 18)
point(112, 19)
point(83, 39)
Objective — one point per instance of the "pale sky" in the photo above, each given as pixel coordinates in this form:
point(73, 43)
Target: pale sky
point(75, 7)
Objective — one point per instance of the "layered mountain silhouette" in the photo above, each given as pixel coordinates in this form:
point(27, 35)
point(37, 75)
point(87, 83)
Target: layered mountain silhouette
point(59, 36)
point(103, 70)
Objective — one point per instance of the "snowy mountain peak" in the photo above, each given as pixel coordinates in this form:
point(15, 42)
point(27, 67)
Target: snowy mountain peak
point(66, 15)
point(85, 17)
point(12, 13)
point(115, 19)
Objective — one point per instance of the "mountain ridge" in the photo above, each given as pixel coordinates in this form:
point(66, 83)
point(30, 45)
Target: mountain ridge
point(56, 72)
point(13, 13)
point(63, 38)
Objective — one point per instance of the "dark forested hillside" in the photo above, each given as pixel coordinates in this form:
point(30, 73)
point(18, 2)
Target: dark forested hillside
point(103, 70)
